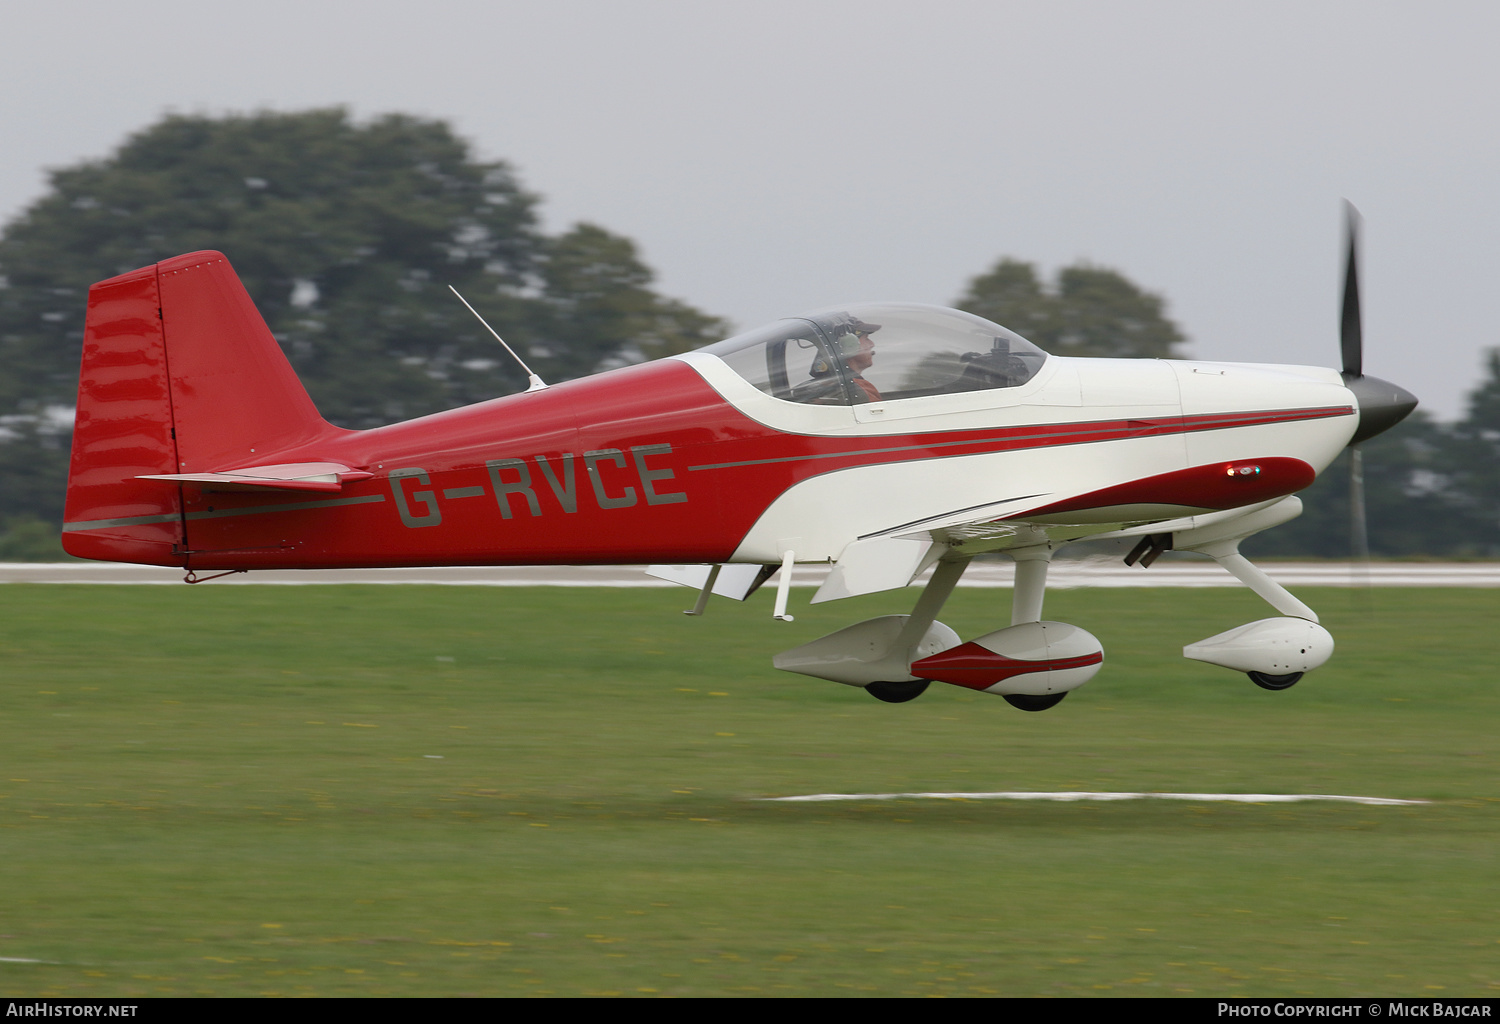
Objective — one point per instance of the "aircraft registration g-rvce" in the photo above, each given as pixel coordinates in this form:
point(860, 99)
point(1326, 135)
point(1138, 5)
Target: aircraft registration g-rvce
point(884, 439)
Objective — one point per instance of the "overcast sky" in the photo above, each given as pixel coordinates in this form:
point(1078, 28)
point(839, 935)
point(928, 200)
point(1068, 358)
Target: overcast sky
point(773, 156)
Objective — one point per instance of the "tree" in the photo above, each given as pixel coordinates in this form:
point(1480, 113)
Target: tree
point(1090, 311)
point(346, 235)
point(1412, 505)
point(1468, 464)
point(596, 294)
point(1432, 489)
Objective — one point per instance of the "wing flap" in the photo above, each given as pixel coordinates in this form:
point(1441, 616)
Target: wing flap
point(734, 580)
point(874, 564)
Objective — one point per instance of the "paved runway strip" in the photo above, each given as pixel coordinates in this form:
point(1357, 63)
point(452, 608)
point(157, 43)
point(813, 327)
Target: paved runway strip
point(1066, 572)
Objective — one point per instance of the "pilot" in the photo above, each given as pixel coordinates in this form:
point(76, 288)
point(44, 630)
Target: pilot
point(856, 349)
point(862, 358)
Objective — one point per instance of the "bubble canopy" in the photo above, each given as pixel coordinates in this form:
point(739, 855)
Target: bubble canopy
point(852, 355)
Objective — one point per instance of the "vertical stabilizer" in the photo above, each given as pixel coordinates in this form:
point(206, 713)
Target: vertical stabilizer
point(235, 398)
point(180, 374)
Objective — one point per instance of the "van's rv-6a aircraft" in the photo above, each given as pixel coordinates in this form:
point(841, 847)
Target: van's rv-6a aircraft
point(884, 439)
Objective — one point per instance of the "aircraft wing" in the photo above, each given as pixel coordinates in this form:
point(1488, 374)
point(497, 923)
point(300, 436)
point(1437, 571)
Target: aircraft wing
point(1182, 499)
point(892, 558)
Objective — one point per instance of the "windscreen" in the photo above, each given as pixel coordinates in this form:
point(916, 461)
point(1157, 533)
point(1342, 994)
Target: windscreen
point(875, 353)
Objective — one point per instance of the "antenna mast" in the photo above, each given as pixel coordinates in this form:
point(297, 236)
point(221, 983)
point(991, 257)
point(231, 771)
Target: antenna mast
point(537, 384)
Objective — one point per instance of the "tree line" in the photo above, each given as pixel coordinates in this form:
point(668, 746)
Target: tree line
point(347, 235)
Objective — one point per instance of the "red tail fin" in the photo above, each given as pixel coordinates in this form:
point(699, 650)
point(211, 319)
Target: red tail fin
point(235, 398)
point(180, 375)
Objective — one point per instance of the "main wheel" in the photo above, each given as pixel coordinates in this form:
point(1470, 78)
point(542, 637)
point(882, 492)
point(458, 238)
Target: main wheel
point(1034, 701)
point(1270, 682)
point(898, 693)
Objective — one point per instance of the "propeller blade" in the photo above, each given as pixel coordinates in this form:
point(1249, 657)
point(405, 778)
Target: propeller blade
point(1381, 404)
point(1351, 337)
point(1359, 536)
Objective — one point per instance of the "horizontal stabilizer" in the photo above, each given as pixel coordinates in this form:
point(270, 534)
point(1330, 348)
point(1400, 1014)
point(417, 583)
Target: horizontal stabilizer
point(294, 476)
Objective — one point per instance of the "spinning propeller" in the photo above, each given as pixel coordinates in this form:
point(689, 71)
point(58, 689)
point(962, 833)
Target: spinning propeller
point(1381, 404)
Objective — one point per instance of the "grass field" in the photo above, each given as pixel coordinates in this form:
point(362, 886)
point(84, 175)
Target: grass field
point(489, 791)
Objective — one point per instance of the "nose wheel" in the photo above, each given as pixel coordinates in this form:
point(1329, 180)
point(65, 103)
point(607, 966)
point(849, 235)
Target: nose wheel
point(1270, 682)
point(898, 693)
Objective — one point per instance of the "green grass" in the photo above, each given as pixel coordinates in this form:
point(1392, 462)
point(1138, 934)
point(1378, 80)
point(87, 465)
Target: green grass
point(493, 791)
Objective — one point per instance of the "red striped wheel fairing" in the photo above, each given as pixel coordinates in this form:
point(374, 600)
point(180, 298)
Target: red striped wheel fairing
point(978, 668)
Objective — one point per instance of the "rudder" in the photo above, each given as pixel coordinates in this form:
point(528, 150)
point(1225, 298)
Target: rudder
point(122, 429)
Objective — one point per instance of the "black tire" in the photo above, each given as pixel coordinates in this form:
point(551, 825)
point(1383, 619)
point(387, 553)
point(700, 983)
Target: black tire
point(1270, 682)
point(898, 693)
point(1034, 701)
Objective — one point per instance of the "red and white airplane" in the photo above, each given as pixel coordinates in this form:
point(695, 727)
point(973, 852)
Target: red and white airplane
point(884, 439)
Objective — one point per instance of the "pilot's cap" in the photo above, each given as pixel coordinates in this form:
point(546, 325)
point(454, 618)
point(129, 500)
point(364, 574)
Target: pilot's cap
point(847, 341)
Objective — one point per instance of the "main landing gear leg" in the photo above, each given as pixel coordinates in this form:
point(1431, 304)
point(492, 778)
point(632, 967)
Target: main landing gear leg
point(944, 578)
point(1032, 663)
point(1031, 583)
point(1026, 606)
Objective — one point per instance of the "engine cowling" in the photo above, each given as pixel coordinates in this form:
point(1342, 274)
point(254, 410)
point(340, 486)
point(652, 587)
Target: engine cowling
point(1035, 658)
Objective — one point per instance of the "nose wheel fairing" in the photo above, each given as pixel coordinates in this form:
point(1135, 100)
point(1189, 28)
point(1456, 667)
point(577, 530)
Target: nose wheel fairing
point(1275, 647)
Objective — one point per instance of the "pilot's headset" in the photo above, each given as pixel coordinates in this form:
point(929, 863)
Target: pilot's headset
point(845, 344)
